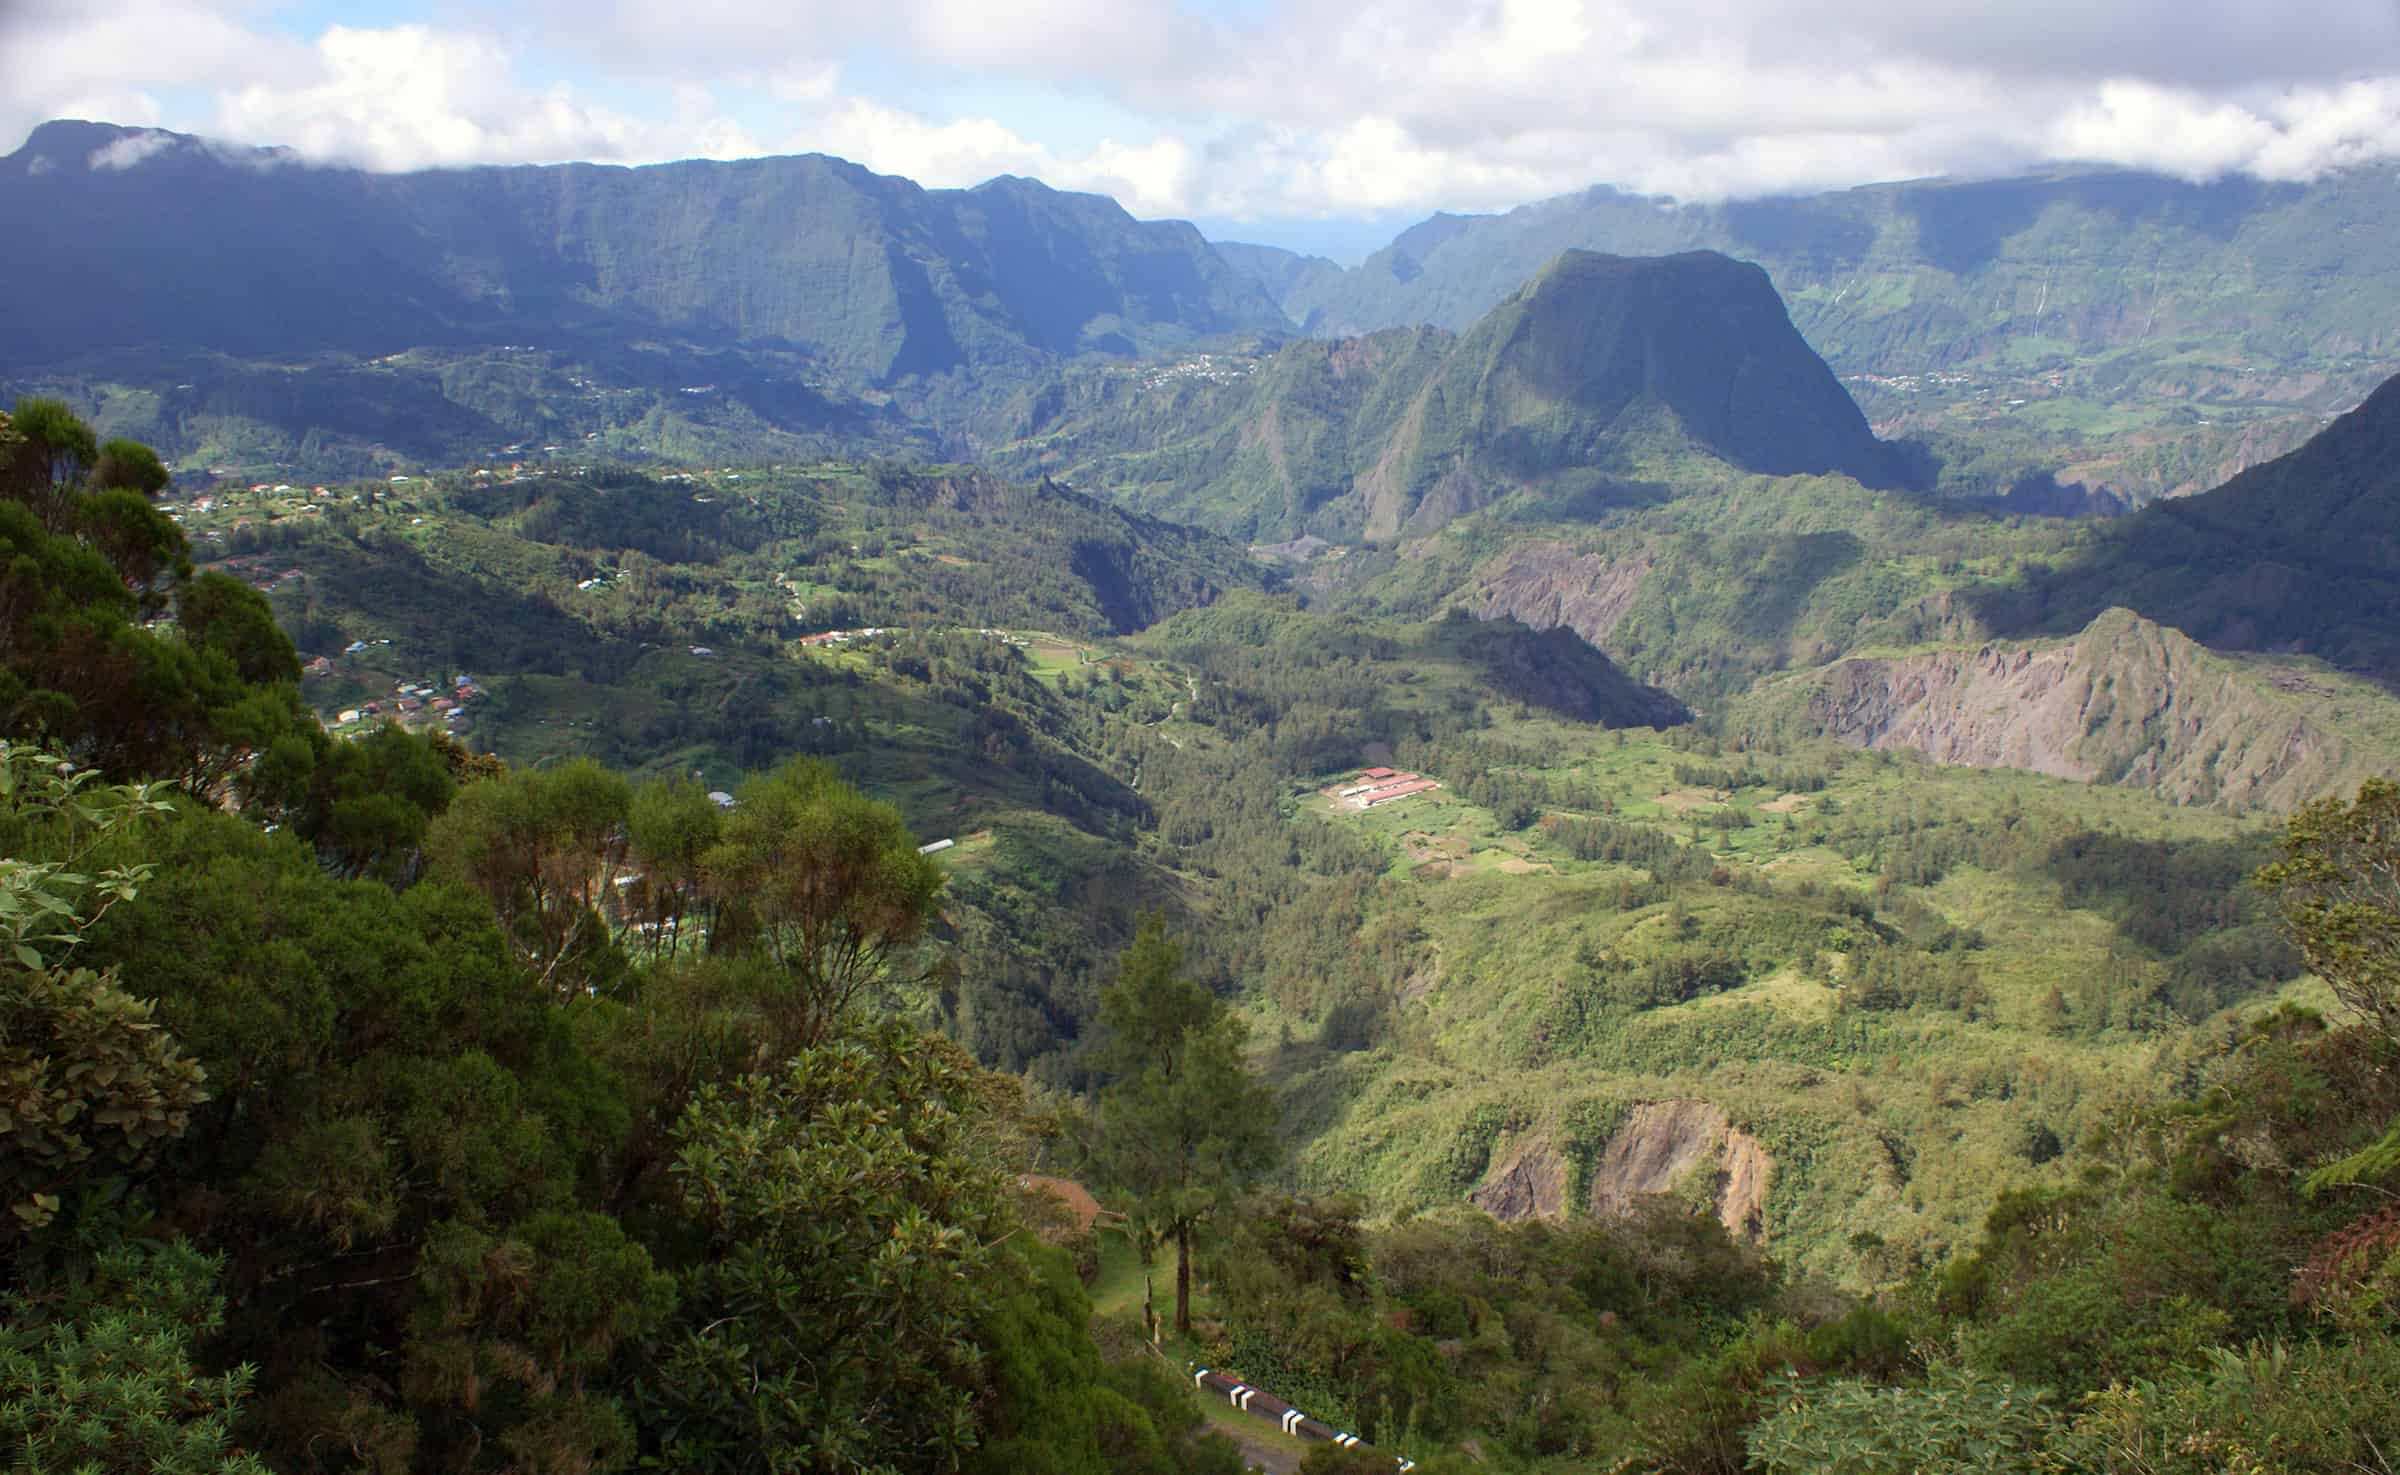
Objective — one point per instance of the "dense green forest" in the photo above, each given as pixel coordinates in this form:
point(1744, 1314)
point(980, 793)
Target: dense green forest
point(481, 1093)
point(375, 1126)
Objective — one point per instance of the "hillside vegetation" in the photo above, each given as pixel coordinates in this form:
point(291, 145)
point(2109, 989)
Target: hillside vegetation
point(2121, 329)
point(1634, 926)
point(1594, 364)
point(1657, 1090)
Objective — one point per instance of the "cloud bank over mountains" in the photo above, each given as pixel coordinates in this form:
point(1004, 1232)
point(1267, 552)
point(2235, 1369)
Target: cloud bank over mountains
point(1253, 109)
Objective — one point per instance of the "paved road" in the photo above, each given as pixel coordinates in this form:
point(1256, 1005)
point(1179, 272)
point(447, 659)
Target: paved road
point(1258, 1454)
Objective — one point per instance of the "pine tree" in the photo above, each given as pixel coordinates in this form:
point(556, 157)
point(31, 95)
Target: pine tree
point(1184, 1123)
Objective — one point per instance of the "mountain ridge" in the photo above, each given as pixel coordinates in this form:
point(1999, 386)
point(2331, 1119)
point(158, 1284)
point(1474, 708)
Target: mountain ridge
point(1396, 433)
point(2126, 331)
point(2296, 554)
point(872, 275)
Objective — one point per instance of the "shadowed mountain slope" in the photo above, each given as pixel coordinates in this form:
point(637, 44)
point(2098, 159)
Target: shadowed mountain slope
point(2299, 554)
point(159, 238)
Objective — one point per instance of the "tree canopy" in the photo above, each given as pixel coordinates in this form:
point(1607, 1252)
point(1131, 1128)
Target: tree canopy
point(1185, 1123)
point(88, 569)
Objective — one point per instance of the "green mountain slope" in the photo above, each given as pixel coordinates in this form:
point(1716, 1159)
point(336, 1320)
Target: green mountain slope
point(1473, 995)
point(2301, 554)
point(1594, 362)
point(1907, 278)
point(2114, 328)
point(1833, 961)
point(675, 625)
point(253, 254)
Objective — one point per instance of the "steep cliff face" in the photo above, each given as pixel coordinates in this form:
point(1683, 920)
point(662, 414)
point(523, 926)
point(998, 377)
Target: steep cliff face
point(1549, 584)
point(871, 275)
point(1662, 1148)
point(1659, 1150)
point(1527, 1180)
point(1593, 365)
point(1665, 1142)
point(2125, 701)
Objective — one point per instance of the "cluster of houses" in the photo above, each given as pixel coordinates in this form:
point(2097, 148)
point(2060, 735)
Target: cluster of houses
point(1914, 383)
point(1376, 786)
point(844, 637)
point(415, 704)
point(275, 501)
point(1207, 368)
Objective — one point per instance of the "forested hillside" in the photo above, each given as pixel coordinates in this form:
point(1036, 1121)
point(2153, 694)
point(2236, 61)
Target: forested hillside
point(890, 826)
point(1593, 368)
point(1618, 1086)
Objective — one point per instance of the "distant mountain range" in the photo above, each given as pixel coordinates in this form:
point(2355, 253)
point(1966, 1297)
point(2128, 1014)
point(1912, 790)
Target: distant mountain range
point(2078, 339)
point(2128, 333)
point(153, 239)
point(1933, 274)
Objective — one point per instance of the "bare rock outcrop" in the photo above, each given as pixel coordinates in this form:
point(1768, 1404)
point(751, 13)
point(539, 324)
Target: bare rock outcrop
point(1547, 584)
point(1742, 1184)
point(1660, 1147)
point(1661, 1144)
point(1664, 1147)
point(2126, 701)
point(1527, 1180)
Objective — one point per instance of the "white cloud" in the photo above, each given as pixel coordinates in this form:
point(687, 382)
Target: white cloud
point(1086, 40)
point(1290, 108)
point(116, 62)
point(130, 150)
point(410, 97)
point(1154, 178)
point(2295, 135)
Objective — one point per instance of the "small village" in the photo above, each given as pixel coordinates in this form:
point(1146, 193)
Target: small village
point(1206, 368)
point(416, 704)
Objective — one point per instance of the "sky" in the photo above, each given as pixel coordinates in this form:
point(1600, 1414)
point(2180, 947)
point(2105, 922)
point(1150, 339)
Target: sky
point(1308, 123)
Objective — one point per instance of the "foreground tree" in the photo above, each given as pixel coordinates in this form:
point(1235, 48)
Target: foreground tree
point(2338, 882)
point(1185, 1124)
point(88, 565)
point(850, 1234)
point(398, 1127)
point(824, 882)
point(97, 1374)
point(89, 1084)
point(544, 846)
